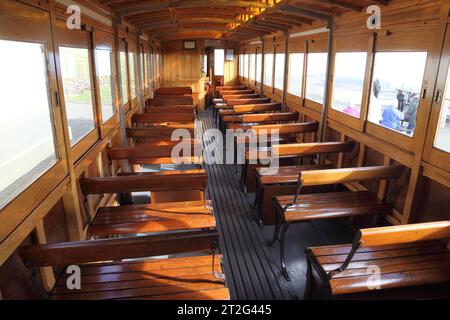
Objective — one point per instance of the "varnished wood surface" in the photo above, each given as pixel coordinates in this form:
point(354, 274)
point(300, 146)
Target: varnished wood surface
point(139, 219)
point(68, 253)
point(187, 278)
point(174, 91)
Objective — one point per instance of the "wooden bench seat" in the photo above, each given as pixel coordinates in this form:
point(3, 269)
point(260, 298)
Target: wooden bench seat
point(170, 91)
point(149, 118)
point(170, 100)
point(154, 155)
point(286, 134)
point(407, 257)
point(233, 92)
point(171, 109)
point(197, 276)
point(247, 109)
point(299, 208)
point(158, 131)
point(151, 218)
point(269, 185)
point(167, 188)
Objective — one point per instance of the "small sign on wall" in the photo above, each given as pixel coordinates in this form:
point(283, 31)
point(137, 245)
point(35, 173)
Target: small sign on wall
point(229, 55)
point(189, 45)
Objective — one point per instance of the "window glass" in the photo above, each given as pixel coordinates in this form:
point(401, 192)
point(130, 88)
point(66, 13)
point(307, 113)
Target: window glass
point(150, 69)
point(442, 140)
point(219, 61)
point(75, 73)
point(241, 65)
point(144, 69)
point(348, 82)
point(279, 70)
point(28, 142)
point(316, 76)
point(397, 81)
point(252, 66)
point(246, 66)
point(296, 74)
point(268, 69)
point(124, 77)
point(205, 64)
point(258, 67)
point(106, 82)
point(133, 75)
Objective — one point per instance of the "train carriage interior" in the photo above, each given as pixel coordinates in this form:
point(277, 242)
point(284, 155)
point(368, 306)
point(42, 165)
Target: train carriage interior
point(225, 150)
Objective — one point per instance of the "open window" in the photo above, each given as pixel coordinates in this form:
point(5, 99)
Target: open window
point(123, 60)
point(246, 66)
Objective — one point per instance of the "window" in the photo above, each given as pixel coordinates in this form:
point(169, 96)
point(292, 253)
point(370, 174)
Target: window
point(252, 66)
point(133, 75)
point(124, 77)
point(219, 61)
point(279, 70)
point(76, 79)
point(241, 65)
point(246, 66)
point(316, 76)
point(296, 73)
point(258, 67)
point(205, 64)
point(397, 81)
point(144, 69)
point(28, 142)
point(268, 66)
point(442, 140)
point(106, 82)
point(150, 69)
point(348, 82)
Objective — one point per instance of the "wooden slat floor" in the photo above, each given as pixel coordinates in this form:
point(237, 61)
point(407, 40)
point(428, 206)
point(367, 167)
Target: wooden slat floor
point(252, 268)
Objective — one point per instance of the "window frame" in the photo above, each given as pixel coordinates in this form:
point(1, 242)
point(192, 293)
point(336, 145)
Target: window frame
point(78, 39)
point(105, 40)
point(289, 94)
point(423, 41)
point(356, 43)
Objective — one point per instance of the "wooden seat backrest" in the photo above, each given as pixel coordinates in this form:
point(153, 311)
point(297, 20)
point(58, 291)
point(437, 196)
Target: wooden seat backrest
point(239, 91)
point(240, 96)
point(287, 128)
point(269, 117)
point(235, 87)
point(346, 175)
point(238, 102)
point(170, 100)
point(402, 234)
point(158, 132)
point(156, 155)
point(171, 109)
point(162, 117)
point(69, 253)
point(258, 107)
point(174, 91)
point(142, 182)
point(304, 149)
